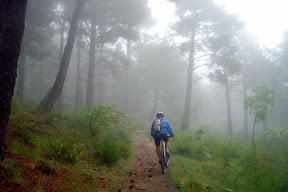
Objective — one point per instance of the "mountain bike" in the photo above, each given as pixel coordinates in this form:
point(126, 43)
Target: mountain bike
point(164, 158)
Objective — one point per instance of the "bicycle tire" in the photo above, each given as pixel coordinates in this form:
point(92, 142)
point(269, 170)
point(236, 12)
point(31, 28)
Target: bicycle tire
point(163, 164)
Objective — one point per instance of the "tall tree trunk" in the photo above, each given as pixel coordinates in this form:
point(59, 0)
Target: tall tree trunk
point(253, 134)
point(245, 110)
point(60, 98)
point(21, 77)
point(49, 100)
point(187, 107)
point(79, 93)
point(11, 33)
point(228, 104)
point(101, 80)
point(91, 69)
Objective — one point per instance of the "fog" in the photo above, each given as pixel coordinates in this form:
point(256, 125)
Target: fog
point(143, 73)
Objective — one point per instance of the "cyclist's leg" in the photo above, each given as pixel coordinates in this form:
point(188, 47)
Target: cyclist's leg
point(158, 151)
point(157, 143)
point(167, 143)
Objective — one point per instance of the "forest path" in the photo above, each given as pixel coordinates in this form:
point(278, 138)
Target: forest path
point(145, 173)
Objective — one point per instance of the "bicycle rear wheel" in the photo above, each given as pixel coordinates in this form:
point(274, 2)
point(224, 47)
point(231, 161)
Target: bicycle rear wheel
point(163, 164)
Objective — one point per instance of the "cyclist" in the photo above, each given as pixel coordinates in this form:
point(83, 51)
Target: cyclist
point(162, 134)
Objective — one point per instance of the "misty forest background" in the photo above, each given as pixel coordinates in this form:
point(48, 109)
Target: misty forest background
point(83, 62)
point(198, 74)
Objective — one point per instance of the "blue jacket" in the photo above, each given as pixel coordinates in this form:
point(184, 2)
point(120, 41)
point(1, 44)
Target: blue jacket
point(164, 125)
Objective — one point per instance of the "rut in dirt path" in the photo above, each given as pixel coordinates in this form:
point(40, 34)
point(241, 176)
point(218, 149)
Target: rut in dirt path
point(145, 173)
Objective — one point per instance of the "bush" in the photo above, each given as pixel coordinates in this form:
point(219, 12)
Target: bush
point(117, 133)
point(63, 149)
point(115, 144)
point(98, 118)
point(124, 148)
point(276, 140)
point(281, 182)
point(107, 152)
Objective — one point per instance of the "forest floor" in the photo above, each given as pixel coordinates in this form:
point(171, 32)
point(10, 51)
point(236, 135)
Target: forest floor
point(145, 173)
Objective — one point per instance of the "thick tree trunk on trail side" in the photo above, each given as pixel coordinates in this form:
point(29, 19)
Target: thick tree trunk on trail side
point(49, 100)
point(187, 106)
point(228, 103)
point(91, 70)
point(60, 98)
point(11, 32)
point(21, 77)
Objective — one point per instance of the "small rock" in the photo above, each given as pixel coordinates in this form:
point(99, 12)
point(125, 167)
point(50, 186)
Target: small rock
point(142, 188)
point(131, 187)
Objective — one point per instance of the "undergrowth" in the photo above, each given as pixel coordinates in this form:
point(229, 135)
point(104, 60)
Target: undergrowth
point(80, 152)
point(207, 163)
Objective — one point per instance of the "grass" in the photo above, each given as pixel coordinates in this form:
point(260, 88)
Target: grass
point(226, 165)
point(45, 154)
point(56, 152)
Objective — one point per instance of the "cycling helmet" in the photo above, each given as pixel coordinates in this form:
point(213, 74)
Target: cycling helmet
point(160, 114)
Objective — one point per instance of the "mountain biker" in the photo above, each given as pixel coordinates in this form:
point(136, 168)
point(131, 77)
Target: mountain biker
point(165, 128)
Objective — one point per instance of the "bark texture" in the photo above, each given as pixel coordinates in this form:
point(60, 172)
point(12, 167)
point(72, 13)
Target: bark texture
point(61, 97)
point(12, 20)
point(91, 70)
point(79, 93)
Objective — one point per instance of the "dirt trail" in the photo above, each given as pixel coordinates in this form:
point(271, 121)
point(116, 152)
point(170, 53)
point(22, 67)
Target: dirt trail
point(145, 173)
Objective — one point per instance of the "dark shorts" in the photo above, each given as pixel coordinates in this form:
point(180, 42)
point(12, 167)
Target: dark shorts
point(157, 138)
